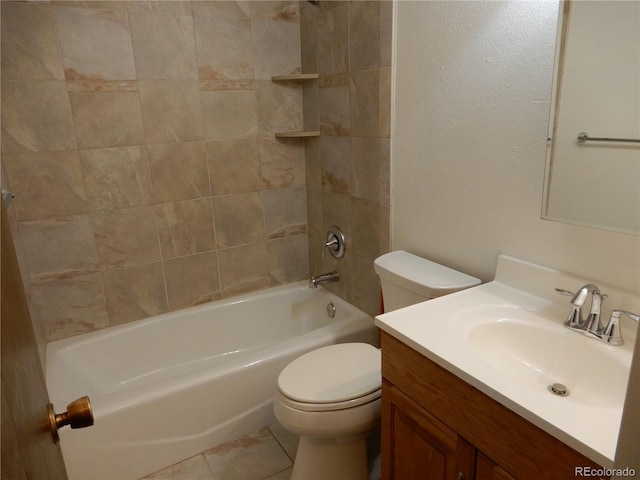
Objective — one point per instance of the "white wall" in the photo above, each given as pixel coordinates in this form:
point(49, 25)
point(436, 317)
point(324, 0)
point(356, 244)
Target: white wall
point(471, 103)
point(472, 91)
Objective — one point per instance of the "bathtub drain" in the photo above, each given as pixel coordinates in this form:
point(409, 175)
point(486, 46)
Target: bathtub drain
point(331, 310)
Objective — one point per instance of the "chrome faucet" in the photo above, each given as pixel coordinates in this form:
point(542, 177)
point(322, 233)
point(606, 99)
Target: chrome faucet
point(323, 278)
point(575, 321)
point(591, 326)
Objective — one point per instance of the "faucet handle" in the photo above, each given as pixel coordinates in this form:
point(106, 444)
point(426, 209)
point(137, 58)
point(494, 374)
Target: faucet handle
point(611, 333)
point(562, 291)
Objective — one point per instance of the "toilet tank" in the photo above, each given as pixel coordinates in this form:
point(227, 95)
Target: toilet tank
point(407, 279)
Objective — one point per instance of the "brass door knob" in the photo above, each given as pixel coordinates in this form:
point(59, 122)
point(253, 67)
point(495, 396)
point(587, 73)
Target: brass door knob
point(78, 415)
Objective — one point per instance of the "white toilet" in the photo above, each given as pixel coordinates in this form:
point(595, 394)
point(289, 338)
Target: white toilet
point(331, 396)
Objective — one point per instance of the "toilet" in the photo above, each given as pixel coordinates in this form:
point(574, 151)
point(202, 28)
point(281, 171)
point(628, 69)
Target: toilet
point(330, 397)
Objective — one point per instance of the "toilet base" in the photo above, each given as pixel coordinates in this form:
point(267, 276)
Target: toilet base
point(322, 458)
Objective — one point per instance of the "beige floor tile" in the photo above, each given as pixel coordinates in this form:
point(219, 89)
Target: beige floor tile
point(284, 475)
point(287, 440)
point(194, 468)
point(256, 456)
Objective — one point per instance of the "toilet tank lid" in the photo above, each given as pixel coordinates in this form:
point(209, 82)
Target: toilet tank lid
point(420, 275)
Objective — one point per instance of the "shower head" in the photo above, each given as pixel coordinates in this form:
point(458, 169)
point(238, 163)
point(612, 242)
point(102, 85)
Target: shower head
point(314, 2)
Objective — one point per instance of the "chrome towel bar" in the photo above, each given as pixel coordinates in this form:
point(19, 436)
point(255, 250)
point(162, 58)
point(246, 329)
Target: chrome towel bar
point(585, 137)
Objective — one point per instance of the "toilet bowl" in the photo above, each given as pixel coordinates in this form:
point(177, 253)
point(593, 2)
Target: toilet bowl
point(331, 396)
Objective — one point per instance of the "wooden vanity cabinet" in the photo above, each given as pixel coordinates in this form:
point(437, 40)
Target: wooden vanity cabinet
point(436, 426)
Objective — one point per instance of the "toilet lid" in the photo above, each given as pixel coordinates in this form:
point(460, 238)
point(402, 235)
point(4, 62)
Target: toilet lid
point(337, 373)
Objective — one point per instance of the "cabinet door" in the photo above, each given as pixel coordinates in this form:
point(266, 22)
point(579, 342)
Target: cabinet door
point(416, 445)
point(486, 469)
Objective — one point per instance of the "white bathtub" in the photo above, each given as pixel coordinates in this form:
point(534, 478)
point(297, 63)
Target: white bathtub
point(172, 386)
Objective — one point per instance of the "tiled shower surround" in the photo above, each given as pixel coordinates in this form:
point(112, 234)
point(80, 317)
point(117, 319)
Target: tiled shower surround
point(138, 137)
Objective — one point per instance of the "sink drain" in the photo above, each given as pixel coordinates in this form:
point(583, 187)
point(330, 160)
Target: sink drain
point(558, 389)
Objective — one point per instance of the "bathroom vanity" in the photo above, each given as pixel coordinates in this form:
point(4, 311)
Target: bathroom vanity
point(468, 379)
point(435, 425)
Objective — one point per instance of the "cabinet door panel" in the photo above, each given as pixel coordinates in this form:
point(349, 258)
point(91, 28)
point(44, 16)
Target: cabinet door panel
point(417, 445)
point(486, 469)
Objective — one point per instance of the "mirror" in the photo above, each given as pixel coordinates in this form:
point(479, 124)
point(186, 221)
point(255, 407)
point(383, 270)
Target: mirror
point(596, 181)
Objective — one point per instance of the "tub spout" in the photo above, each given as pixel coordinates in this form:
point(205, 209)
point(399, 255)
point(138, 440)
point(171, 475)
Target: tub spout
point(323, 278)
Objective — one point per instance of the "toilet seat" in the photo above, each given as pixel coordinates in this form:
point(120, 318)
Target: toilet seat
point(332, 378)
point(330, 407)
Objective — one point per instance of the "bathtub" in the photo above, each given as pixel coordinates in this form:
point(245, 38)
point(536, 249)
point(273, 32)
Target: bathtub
point(171, 386)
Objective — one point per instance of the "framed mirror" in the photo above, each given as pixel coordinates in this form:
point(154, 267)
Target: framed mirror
point(593, 150)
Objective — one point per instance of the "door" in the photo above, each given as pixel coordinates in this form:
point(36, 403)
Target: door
point(28, 449)
point(417, 445)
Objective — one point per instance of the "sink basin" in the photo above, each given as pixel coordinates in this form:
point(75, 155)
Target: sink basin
point(537, 353)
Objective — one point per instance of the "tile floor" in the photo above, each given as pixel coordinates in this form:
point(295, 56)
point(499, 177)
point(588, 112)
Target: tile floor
point(263, 455)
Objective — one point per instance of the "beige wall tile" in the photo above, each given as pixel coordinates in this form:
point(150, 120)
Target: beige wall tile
point(95, 43)
point(230, 104)
point(107, 119)
point(281, 163)
point(336, 164)
point(367, 226)
point(36, 116)
point(71, 306)
point(365, 103)
point(243, 268)
point(178, 171)
point(29, 43)
point(126, 237)
point(276, 47)
point(164, 46)
point(278, 10)
point(365, 291)
point(333, 49)
point(170, 7)
point(239, 219)
point(234, 166)
point(59, 248)
point(385, 102)
point(308, 45)
point(171, 110)
point(335, 114)
point(224, 48)
point(116, 177)
point(238, 9)
point(386, 33)
point(192, 280)
point(364, 35)
point(336, 210)
point(285, 212)
point(134, 293)
point(185, 227)
point(229, 114)
point(47, 184)
point(311, 105)
point(279, 107)
point(288, 259)
point(369, 156)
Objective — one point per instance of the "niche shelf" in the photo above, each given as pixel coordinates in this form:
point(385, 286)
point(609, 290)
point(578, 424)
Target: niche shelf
point(296, 77)
point(298, 134)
